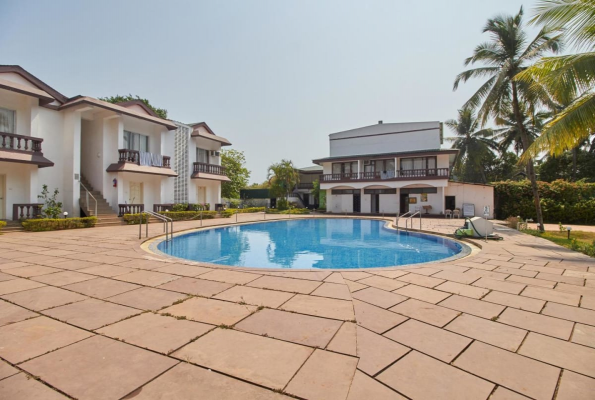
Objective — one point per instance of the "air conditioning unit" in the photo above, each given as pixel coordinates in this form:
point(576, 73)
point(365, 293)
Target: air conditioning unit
point(212, 153)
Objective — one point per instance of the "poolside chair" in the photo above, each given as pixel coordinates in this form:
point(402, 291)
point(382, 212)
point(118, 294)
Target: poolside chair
point(448, 214)
point(456, 213)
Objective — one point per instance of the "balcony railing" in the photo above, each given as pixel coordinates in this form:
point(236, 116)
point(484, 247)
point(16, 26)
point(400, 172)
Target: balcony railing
point(209, 168)
point(26, 211)
point(10, 141)
point(306, 186)
point(406, 174)
point(133, 156)
point(130, 209)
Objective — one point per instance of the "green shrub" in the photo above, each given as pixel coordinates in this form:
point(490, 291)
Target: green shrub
point(291, 211)
point(180, 207)
point(231, 211)
point(2, 224)
point(188, 215)
point(133, 219)
point(282, 204)
point(53, 224)
point(53, 208)
point(234, 203)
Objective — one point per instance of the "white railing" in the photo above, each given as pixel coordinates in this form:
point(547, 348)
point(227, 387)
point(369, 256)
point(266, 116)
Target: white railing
point(401, 216)
point(160, 217)
point(410, 219)
point(87, 194)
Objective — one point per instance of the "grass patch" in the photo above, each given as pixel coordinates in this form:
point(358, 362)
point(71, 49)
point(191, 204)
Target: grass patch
point(580, 241)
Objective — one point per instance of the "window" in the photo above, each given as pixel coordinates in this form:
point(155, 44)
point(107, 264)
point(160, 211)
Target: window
point(345, 191)
point(202, 156)
point(418, 163)
point(345, 168)
point(136, 141)
point(419, 190)
point(7, 120)
point(380, 191)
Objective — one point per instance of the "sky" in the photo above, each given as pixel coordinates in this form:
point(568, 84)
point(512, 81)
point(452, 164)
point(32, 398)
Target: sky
point(274, 77)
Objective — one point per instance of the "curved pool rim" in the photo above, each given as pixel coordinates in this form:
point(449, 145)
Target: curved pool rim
point(150, 245)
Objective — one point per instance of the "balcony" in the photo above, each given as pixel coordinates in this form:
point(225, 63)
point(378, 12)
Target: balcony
point(209, 171)
point(143, 163)
point(305, 186)
point(401, 175)
point(22, 149)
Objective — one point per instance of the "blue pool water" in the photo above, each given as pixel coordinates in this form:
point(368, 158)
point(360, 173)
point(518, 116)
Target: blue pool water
point(310, 243)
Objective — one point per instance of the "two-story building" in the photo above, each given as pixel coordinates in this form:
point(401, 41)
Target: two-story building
point(105, 159)
point(395, 168)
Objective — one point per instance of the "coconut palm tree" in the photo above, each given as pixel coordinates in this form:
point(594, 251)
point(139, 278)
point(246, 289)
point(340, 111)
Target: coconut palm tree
point(502, 58)
point(473, 143)
point(508, 134)
point(283, 177)
point(570, 77)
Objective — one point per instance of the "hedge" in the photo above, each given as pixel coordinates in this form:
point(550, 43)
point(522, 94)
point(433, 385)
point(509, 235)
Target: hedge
point(231, 211)
point(132, 219)
point(290, 211)
point(47, 224)
point(561, 201)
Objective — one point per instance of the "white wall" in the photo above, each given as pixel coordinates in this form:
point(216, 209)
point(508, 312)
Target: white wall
point(20, 186)
point(339, 203)
point(213, 191)
point(474, 194)
point(151, 189)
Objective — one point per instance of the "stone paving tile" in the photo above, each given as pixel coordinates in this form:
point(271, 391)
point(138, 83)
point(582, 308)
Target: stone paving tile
point(376, 352)
point(147, 278)
point(75, 264)
point(456, 277)
point(63, 278)
point(552, 295)
point(345, 341)
point(584, 334)
point(10, 313)
point(383, 283)
point(6, 277)
point(521, 374)
point(355, 275)
point(98, 368)
point(501, 286)
point(531, 281)
point(291, 327)
point(421, 280)
point(429, 340)
point(91, 314)
point(335, 277)
point(560, 353)
point(255, 296)
point(7, 370)
point(463, 290)
point(15, 264)
point(422, 293)
point(427, 271)
point(425, 312)
point(184, 381)
point(320, 307)
point(421, 377)
point(36, 336)
point(214, 312)
point(365, 388)
point(195, 286)
point(493, 333)
point(333, 290)
point(183, 269)
point(227, 276)
point(588, 302)
point(156, 332)
point(33, 270)
point(23, 387)
point(101, 287)
point(138, 263)
point(43, 298)
point(557, 278)
point(501, 393)
point(570, 313)
point(514, 301)
point(537, 323)
point(354, 286)
point(581, 290)
point(575, 387)
point(325, 375)
point(471, 306)
point(378, 297)
point(18, 285)
point(147, 298)
point(106, 270)
point(264, 361)
point(498, 276)
point(390, 274)
point(285, 284)
point(517, 272)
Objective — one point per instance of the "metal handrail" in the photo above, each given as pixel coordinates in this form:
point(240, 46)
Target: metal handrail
point(87, 197)
point(159, 217)
point(410, 219)
point(401, 216)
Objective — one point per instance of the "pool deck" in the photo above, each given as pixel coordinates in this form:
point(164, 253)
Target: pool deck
point(89, 314)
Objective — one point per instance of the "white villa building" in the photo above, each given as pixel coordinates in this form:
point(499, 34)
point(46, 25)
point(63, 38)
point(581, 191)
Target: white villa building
point(120, 154)
point(395, 168)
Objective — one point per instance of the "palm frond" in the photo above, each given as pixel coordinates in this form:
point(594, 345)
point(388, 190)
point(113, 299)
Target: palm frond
point(575, 16)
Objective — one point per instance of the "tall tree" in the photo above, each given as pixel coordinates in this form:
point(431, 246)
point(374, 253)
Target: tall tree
point(234, 162)
point(569, 77)
point(474, 144)
point(283, 177)
point(508, 134)
point(161, 112)
point(506, 55)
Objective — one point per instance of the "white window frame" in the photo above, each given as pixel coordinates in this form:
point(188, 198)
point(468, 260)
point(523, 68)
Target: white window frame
point(14, 119)
point(136, 136)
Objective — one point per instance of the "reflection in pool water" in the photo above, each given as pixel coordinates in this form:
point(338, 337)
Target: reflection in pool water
point(310, 243)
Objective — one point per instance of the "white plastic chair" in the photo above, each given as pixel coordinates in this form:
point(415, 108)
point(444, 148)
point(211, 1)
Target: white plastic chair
point(456, 213)
point(448, 214)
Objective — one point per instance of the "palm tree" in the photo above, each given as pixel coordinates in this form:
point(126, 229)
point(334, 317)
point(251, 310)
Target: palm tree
point(283, 177)
point(569, 77)
point(506, 55)
point(473, 144)
point(508, 134)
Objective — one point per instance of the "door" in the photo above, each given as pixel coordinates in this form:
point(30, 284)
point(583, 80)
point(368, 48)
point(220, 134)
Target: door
point(404, 203)
point(357, 203)
point(375, 200)
point(201, 194)
point(306, 200)
point(2, 202)
point(449, 202)
point(136, 193)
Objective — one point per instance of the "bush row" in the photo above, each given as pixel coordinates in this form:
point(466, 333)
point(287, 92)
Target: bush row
point(48, 224)
point(133, 219)
point(231, 211)
point(290, 211)
point(2, 224)
point(561, 201)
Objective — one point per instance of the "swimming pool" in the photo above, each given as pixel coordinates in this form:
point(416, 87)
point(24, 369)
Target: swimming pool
point(337, 243)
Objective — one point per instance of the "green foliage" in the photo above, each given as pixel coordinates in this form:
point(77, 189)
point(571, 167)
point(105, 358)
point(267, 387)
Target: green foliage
point(491, 167)
point(282, 204)
point(180, 207)
point(231, 211)
point(583, 242)
point(161, 112)
point(234, 162)
point(561, 201)
point(234, 203)
point(188, 215)
point(50, 224)
point(133, 219)
point(290, 211)
point(52, 208)
point(2, 224)
point(562, 167)
point(283, 177)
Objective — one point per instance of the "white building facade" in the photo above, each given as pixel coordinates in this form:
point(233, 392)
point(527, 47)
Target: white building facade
point(120, 154)
point(396, 168)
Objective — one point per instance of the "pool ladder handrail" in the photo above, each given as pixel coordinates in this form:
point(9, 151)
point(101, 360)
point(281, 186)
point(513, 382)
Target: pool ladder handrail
point(410, 219)
point(160, 217)
point(401, 216)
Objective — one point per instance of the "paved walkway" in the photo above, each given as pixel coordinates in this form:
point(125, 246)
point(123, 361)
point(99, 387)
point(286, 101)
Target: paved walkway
point(88, 314)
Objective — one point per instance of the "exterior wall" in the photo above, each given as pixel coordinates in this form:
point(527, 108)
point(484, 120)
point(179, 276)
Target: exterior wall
point(152, 189)
point(336, 203)
point(479, 195)
point(20, 186)
point(386, 138)
point(385, 184)
point(213, 191)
